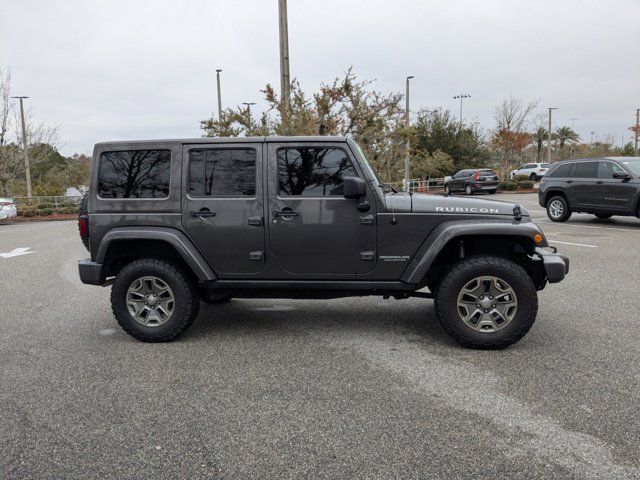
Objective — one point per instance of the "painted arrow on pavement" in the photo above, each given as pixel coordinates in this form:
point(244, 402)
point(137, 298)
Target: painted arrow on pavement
point(16, 252)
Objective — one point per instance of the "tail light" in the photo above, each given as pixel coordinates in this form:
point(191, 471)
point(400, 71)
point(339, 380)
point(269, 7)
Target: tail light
point(542, 170)
point(5, 204)
point(83, 225)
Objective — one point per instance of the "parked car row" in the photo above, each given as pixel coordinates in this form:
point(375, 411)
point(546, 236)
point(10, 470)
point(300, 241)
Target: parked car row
point(7, 208)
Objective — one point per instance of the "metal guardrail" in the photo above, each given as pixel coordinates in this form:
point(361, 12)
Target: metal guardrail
point(55, 201)
point(420, 185)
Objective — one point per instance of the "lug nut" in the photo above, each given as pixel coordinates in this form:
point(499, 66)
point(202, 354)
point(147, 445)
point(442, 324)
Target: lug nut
point(493, 306)
point(478, 305)
point(481, 297)
point(486, 311)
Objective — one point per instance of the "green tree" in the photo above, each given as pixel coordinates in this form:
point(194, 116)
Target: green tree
point(564, 134)
point(425, 165)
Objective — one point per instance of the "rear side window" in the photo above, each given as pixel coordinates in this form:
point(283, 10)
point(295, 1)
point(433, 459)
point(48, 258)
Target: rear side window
point(313, 171)
point(134, 174)
point(222, 172)
point(586, 170)
point(562, 171)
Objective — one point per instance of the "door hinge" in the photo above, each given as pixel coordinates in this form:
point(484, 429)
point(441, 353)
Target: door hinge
point(367, 256)
point(255, 221)
point(367, 220)
point(258, 255)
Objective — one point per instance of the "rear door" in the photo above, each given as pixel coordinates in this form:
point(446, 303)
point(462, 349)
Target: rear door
point(582, 187)
point(223, 206)
point(313, 230)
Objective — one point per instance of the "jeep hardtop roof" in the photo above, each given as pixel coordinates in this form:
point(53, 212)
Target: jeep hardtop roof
point(206, 140)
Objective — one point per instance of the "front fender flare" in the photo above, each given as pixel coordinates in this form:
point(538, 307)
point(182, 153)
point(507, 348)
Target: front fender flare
point(421, 262)
point(178, 240)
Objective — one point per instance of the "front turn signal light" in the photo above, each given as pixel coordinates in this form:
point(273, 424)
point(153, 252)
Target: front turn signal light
point(538, 238)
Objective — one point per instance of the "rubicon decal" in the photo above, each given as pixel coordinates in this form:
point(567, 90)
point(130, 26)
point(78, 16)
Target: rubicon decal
point(467, 210)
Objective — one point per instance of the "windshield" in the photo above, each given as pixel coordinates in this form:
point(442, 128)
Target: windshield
point(632, 165)
point(366, 166)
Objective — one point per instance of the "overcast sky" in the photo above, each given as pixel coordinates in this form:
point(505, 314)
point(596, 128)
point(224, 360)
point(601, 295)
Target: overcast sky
point(112, 70)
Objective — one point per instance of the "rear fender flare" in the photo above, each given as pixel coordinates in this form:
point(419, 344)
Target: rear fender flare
point(178, 240)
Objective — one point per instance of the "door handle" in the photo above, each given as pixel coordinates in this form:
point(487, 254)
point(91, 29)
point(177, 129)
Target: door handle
point(284, 213)
point(202, 213)
point(599, 182)
point(569, 181)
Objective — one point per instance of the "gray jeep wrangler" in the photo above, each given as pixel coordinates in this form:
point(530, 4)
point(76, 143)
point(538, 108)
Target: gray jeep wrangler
point(172, 223)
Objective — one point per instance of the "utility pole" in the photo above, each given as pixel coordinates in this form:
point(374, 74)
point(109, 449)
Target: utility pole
point(248, 104)
point(461, 97)
point(27, 169)
point(285, 80)
point(219, 96)
point(549, 136)
point(407, 166)
point(636, 132)
point(573, 123)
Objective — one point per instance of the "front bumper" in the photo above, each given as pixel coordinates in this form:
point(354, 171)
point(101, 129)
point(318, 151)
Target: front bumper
point(556, 266)
point(91, 272)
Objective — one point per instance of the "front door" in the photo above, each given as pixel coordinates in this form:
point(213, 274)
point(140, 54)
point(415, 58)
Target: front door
point(313, 230)
point(613, 194)
point(223, 209)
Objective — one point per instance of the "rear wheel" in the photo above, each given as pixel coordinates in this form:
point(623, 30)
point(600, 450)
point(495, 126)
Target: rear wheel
point(154, 300)
point(486, 302)
point(468, 190)
point(533, 177)
point(558, 209)
point(603, 215)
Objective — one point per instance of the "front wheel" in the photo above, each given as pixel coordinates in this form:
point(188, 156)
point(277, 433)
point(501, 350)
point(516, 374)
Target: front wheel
point(447, 189)
point(154, 300)
point(468, 190)
point(558, 209)
point(486, 301)
point(491, 192)
point(533, 177)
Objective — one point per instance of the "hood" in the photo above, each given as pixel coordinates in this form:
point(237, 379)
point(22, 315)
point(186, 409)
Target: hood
point(422, 203)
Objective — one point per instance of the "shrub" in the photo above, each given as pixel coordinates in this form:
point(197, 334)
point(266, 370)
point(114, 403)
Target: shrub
point(68, 209)
point(44, 212)
point(525, 184)
point(521, 178)
point(26, 213)
point(42, 206)
point(508, 185)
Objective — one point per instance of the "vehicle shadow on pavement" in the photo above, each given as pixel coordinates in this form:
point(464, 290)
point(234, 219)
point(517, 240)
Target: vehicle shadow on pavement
point(413, 317)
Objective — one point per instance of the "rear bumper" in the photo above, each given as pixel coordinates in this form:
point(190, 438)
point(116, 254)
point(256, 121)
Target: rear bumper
point(556, 266)
point(91, 272)
point(484, 186)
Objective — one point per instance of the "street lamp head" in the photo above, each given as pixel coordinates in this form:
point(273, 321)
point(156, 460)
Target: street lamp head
point(410, 77)
point(248, 103)
point(20, 97)
point(461, 96)
point(218, 70)
point(552, 108)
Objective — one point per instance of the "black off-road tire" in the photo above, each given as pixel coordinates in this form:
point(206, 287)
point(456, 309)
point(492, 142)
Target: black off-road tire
point(566, 210)
point(83, 210)
point(187, 302)
point(464, 272)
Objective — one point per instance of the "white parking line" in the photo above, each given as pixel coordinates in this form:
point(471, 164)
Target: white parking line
point(575, 244)
point(588, 226)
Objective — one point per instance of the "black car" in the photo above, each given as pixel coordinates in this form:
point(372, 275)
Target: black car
point(473, 180)
point(601, 186)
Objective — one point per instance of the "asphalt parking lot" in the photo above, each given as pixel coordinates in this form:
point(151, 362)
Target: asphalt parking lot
point(350, 388)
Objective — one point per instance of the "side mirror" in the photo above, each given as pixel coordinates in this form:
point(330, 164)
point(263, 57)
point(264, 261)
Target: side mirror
point(621, 175)
point(354, 187)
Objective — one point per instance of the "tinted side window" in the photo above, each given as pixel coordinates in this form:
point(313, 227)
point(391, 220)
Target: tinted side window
point(585, 170)
point(606, 169)
point(313, 171)
point(562, 171)
point(222, 172)
point(134, 174)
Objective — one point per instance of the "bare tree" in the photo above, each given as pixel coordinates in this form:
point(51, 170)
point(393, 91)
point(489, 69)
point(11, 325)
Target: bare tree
point(513, 114)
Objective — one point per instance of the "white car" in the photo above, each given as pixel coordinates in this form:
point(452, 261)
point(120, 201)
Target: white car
point(7, 208)
point(535, 171)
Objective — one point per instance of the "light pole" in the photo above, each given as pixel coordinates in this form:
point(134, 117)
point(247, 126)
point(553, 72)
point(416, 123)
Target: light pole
point(248, 104)
point(636, 133)
point(407, 166)
point(549, 136)
point(285, 80)
point(573, 123)
point(27, 170)
point(461, 96)
point(219, 96)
